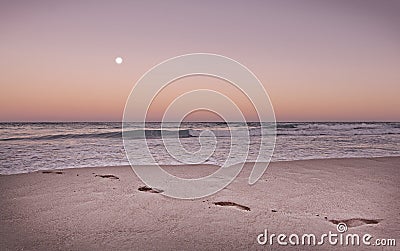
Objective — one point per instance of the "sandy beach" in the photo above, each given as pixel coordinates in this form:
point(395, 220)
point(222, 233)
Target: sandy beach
point(106, 208)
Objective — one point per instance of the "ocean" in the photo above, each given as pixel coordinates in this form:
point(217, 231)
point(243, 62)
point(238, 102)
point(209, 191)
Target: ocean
point(28, 147)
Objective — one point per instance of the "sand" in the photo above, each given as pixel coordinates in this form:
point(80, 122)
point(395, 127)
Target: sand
point(109, 208)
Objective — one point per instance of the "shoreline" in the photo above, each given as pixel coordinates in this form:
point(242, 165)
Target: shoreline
point(104, 208)
point(193, 165)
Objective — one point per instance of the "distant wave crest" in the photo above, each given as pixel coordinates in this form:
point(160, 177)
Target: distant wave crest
point(254, 129)
point(133, 134)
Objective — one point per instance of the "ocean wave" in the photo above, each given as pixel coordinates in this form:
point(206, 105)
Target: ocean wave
point(133, 134)
point(255, 130)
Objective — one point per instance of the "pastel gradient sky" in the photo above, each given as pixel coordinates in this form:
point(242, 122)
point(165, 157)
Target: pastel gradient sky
point(318, 60)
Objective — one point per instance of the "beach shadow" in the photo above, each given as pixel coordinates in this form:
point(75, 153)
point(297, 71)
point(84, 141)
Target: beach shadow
point(53, 172)
point(356, 222)
point(108, 176)
point(149, 189)
point(231, 204)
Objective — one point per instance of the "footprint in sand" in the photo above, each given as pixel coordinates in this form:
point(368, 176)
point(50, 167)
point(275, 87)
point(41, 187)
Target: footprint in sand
point(149, 189)
point(356, 222)
point(108, 176)
point(231, 204)
point(54, 172)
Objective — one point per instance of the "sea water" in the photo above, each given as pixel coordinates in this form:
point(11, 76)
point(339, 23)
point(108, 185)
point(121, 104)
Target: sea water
point(27, 147)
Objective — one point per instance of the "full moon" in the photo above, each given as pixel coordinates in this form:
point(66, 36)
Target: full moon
point(118, 60)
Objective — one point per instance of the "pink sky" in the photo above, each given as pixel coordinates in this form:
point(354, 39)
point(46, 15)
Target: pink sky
point(318, 60)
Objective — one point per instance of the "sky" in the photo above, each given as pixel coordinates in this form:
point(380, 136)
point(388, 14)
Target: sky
point(317, 60)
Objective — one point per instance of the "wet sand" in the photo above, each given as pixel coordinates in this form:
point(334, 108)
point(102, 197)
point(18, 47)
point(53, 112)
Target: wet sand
point(106, 208)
